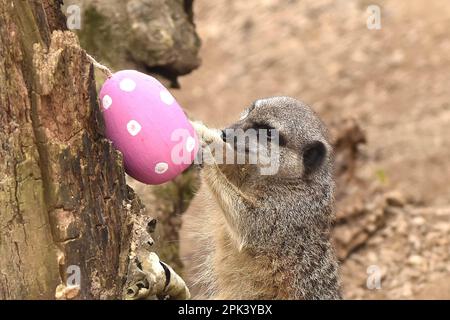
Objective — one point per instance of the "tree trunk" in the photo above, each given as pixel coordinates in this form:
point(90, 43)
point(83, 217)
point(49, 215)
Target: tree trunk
point(156, 37)
point(66, 213)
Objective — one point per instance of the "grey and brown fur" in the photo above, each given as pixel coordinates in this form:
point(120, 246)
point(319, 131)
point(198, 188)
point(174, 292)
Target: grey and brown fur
point(268, 237)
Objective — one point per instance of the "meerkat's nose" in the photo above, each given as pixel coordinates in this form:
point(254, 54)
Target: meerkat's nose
point(229, 135)
point(223, 135)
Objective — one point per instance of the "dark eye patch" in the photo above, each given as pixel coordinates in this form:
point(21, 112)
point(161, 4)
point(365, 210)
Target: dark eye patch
point(313, 156)
point(268, 128)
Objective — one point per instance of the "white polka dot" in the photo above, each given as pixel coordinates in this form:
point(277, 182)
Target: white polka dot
point(166, 97)
point(161, 167)
point(190, 144)
point(133, 127)
point(106, 102)
point(127, 85)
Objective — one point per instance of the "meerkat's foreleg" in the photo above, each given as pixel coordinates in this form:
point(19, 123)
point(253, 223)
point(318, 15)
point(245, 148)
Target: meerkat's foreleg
point(229, 196)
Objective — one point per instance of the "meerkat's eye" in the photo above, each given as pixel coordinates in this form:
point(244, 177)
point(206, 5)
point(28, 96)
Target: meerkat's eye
point(313, 156)
point(270, 132)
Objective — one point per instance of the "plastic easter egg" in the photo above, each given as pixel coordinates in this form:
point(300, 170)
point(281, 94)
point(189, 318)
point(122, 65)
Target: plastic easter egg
point(147, 125)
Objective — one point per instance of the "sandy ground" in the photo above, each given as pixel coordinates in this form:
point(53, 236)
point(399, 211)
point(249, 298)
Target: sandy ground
point(394, 81)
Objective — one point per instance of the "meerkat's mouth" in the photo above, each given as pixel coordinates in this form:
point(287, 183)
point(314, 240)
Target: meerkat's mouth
point(232, 141)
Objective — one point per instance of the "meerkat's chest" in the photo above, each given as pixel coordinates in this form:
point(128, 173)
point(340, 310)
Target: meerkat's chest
point(236, 273)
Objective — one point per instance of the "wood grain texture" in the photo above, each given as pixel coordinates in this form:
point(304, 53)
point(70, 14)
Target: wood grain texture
point(63, 196)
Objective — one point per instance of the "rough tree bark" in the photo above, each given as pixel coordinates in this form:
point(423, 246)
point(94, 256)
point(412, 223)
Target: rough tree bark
point(64, 202)
point(157, 37)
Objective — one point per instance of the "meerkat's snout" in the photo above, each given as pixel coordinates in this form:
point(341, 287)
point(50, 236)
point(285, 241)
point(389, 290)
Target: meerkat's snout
point(223, 135)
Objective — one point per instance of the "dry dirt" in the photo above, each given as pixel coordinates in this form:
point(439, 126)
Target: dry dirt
point(393, 81)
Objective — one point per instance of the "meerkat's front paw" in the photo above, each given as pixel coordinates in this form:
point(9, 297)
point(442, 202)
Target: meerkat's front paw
point(207, 135)
point(211, 140)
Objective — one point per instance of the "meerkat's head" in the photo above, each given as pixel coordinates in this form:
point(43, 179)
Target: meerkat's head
point(294, 197)
point(291, 141)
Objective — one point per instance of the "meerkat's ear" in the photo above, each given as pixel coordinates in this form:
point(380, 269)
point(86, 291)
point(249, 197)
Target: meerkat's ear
point(313, 156)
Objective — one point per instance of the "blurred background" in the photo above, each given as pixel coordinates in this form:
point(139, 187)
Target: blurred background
point(384, 93)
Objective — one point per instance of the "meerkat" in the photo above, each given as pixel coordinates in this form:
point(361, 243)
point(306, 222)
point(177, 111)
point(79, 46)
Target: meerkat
point(268, 236)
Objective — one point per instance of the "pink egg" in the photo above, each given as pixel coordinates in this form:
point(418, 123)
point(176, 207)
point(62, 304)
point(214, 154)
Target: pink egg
point(147, 125)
